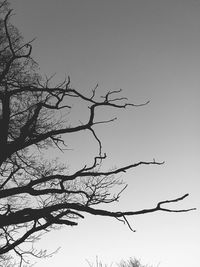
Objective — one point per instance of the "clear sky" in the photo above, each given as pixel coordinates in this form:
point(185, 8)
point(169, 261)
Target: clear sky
point(150, 49)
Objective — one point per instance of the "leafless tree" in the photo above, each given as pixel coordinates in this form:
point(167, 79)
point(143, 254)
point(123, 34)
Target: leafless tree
point(36, 194)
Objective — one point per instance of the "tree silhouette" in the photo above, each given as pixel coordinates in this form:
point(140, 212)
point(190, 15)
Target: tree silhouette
point(36, 194)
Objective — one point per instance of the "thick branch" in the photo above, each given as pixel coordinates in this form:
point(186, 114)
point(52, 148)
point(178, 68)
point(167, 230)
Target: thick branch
point(27, 215)
point(81, 173)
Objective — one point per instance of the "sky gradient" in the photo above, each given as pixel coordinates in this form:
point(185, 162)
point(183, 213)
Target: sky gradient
point(150, 49)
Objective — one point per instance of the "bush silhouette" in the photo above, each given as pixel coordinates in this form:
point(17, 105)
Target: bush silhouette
point(132, 262)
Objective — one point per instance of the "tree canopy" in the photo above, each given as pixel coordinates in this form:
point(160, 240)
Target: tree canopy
point(38, 194)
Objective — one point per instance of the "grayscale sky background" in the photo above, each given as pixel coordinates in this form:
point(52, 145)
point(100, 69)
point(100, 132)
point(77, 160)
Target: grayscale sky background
point(150, 49)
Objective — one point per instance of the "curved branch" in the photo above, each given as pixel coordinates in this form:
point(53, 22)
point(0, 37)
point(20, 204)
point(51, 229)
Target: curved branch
point(85, 172)
point(28, 215)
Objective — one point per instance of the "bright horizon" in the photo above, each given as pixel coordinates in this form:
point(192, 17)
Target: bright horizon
point(150, 49)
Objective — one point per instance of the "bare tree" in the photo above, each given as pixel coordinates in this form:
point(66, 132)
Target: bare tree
point(36, 194)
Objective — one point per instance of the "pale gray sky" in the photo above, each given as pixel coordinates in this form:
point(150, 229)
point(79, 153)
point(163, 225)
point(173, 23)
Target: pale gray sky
point(151, 49)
